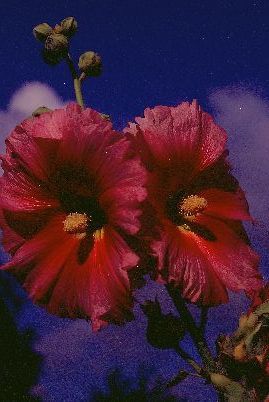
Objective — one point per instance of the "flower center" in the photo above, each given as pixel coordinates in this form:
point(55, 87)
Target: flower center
point(76, 223)
point(192, 205)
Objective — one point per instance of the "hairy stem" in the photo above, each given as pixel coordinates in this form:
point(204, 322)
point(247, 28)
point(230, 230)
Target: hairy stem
point(185, 356)
point(77, 81)
point(195, 332)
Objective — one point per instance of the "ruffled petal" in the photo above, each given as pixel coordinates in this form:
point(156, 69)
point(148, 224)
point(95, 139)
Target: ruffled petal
point(182, 262)
point(26, 152)
point(99, 286)
point(50, 125)
point(85, 136)
point(183, 139)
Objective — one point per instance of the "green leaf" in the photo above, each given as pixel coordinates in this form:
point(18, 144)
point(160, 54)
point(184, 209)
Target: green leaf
point(250, 337)
point(235, 392)
point(263, 309)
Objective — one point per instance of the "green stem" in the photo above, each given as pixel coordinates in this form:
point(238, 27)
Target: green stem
point(77, 81)
point(185, 356)
point(77, 87)
point(194, 331)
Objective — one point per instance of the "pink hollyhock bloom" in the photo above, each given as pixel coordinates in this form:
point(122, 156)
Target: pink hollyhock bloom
point(201, 243)
point(70, 193)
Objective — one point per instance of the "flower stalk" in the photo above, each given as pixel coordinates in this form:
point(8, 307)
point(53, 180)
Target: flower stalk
point(76, 80)
point(185, 356)
point(195, 332)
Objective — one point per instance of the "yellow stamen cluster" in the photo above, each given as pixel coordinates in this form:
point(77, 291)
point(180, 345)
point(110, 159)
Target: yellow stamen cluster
point(76, 223)
point(184, 228)
point(192, 205)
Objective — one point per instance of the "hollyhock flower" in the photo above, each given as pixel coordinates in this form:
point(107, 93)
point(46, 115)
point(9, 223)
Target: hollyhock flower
point(70, 198)
point(201, 245)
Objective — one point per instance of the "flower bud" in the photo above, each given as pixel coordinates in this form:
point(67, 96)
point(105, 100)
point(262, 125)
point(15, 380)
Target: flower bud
point(90, 64)
point(252, 320)
point(40, 110)
point(243, 322)
point(56, 48)
point(240, 352)
point(42, 31)
point(220, 380)
point(105, 116)
point(69, 26)
point(57, 29)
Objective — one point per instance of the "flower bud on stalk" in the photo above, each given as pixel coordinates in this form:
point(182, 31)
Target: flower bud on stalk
point(68, 26)
point(56, 48)
point(90, 64)
point(42, 31)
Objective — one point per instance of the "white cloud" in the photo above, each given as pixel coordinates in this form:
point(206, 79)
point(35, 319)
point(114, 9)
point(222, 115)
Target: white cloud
point(23, 102)
point(245, 116)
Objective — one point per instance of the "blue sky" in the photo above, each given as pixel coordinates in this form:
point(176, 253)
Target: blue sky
point(154, 52)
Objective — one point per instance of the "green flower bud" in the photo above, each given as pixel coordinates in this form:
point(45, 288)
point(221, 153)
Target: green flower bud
point(252, 320)
point(42, 31)
point(40, 110)
point(90, 64)
point(69, 26)
point(56, 48)
point(57, 29)
point(220, 380)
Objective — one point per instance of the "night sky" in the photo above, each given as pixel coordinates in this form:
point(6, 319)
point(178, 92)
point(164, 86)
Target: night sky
point(154, 53)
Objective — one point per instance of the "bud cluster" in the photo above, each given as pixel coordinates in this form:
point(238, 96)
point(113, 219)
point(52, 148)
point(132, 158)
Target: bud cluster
point(55, 40)
point(56, 46)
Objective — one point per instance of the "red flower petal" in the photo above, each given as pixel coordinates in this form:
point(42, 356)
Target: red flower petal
point(121, 187)
point(85, 134)
point(18, 192)
point(203, 268)
point(51, 244)
point(50, 125)
point(98, 287)
point(181, 261)
point(234, 262)
point(182, 137)
point(10, 240)
point(52, 272)
point(35, 155)
point(224, 204)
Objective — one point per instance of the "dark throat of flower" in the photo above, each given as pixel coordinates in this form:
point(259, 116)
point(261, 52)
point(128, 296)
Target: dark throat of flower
point(182, 209)
point(84, 215)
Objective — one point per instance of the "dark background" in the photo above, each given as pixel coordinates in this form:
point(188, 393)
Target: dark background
point(153, 52)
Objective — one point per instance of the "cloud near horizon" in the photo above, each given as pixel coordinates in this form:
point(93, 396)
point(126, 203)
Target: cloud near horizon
point(244, 114)
point(23, 102)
